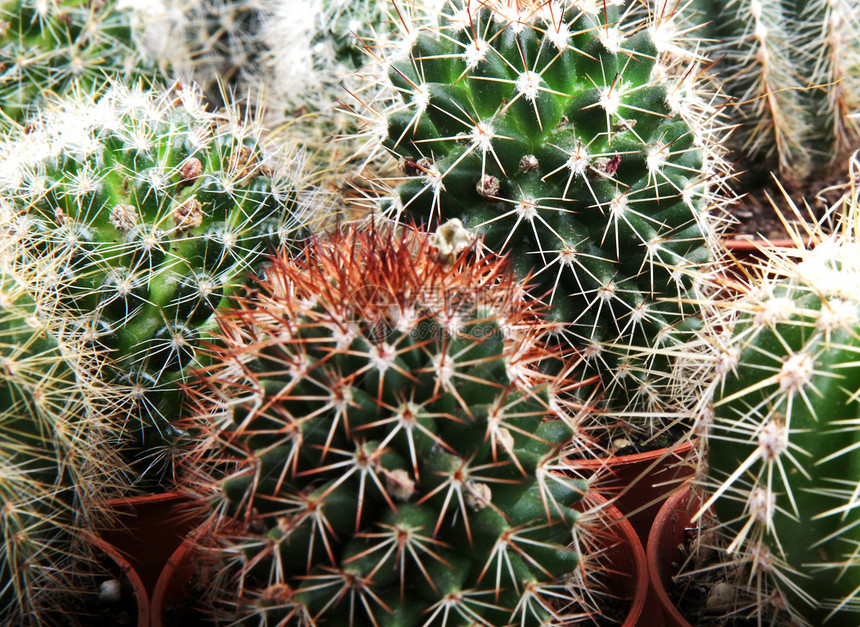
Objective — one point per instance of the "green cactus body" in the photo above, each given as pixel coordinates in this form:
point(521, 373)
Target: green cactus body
point(397, 449)
point(48, 47)
point(347, 25)
point(783, 448)
point(220, 43)
point(150, 212)
point(791, 69)
point(543, 131)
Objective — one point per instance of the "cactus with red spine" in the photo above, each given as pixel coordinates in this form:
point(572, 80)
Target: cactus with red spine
point(387, 445)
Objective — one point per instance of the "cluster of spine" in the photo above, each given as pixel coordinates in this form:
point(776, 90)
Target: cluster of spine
point(791, 71)
point(545, 128)
point(783, 445)
point(377, 429)
point(146, 214)
point(47, 47)
point(216, 43)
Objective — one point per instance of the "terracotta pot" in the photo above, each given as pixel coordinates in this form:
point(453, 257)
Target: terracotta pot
point(627, 573)
point(668, 535)
point(147, 530)
point(639, 484)
point(129, 574)
point(174, 586)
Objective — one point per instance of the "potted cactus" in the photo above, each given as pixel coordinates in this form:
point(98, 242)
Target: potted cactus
point(387, 426)
point(790, 71)
point(129, 217)
point(547, 129)
point(148, 213)
point(51, 48)
point(58, 461)
point(781, 477)
point(379, 441)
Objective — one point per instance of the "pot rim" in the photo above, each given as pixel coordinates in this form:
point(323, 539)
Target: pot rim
point(673, 511)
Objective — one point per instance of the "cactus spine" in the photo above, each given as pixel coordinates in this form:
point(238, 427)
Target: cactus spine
point(389, 445)
point(783, 449)
point(540, 126)
point(57, 462)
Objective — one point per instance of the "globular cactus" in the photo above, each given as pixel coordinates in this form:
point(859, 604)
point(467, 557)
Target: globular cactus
point(47, 47)
point(783, 447)
point(151, 213)
point(391, 448)
point(545, 128)
point(792, 70)
point(214, 43)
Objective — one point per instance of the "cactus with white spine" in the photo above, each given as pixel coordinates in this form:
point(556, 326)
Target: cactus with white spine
point(57, 461)
point(545, 127)
point(783, 445)
point(153, 212)
point(792, 70)
point(390, 446)
point(47, 47)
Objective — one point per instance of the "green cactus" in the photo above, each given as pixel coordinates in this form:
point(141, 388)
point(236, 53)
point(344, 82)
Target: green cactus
point(46, 47)
point(783, 445)
point(542, 129)
point(390, 446)
point(56, 462)
point(792, 70)
point(152, 213)
point(346, 26)
point(215, 43)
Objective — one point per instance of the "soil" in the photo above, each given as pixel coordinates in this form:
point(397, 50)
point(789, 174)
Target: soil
point(89, 609)
point(664, 439)
point(704, 590)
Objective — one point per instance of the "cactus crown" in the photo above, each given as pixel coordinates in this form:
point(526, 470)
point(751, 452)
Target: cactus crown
point(783, 446)
point(541, 126)
point(392, 450)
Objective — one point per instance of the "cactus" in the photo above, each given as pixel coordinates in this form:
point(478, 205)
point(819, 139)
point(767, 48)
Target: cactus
point(214, 43)
point(390, 447)
point(540, 127)
point(152, 213)
point(791, 69)
point(56, 461)
point(31, 395)
point(782, 448)
point(316, 62)
point(50, 46)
